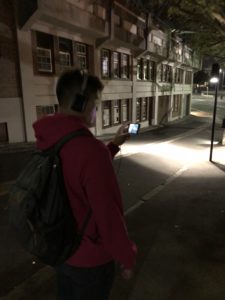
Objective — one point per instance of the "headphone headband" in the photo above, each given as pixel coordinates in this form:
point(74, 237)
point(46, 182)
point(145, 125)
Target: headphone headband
point(84, 82)
point(79, 101)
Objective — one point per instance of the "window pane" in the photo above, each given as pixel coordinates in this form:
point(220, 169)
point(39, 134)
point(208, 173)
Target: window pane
point(139, 69)
point(64, 60)
point(144, 109)
point(138, 109)
point(44, 110)
point(106, 113)
point(152, 70)
point(116, 112)
point(116, 65)
point(125, 110)
point(125, 66)
point(105, 63)
point(145, 69)
point(44, 60)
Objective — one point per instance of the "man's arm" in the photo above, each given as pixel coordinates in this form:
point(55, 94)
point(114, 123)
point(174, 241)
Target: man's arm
point(120, 137)
point(104, 197)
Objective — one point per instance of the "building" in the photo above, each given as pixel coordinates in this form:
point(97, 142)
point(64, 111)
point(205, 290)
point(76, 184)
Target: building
point(147, 72)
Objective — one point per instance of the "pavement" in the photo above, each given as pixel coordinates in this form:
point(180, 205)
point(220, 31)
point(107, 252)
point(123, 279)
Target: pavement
point(175, 212)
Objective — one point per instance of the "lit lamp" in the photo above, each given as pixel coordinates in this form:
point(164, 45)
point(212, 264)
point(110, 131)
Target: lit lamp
point(215, 74)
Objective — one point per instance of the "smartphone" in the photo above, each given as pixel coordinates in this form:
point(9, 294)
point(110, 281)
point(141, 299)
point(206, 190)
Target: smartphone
point(134, 128)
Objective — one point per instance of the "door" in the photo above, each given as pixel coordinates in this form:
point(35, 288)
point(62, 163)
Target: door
point(163, 109)
point(151, 109)
point(3, 133)
point(188, 104)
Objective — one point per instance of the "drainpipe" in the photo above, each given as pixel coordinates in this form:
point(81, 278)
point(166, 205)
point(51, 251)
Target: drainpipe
point(19, 75)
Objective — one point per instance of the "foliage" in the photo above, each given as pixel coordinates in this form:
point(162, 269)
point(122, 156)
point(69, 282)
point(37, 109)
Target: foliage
point(201, 77)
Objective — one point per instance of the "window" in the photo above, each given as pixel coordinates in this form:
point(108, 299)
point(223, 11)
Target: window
point(64, 60)
point(130, 27)
point(116, 65)
point(176, 104)
point(179, 75)
point(124, 66)
point(125, 110)
point(187, 54)
point(44, 60)
point(116, 111)
point(45, 110)
point(165, 73)
point(99, 11)
point(145, 69)
point(105, 63)
point(44, 52)
point(141, 31)
point(152, 67)
point(178, 49)
point(117, 20)
point(188, 77)
point(106, 113)
point(81, 55)
point(157, 41)
point(65, 53)
point(138, 109)
point(144, 109)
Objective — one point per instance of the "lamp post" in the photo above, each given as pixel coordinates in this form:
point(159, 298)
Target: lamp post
point(214, 79)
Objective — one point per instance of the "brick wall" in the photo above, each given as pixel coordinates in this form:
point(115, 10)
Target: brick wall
point(9, 67)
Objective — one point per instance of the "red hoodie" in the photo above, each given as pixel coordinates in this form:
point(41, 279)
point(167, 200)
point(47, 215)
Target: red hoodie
point(90, 182)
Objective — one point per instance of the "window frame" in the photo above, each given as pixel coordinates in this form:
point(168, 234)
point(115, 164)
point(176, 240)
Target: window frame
point(49, 71)
point(125, 67)
point(116, 75)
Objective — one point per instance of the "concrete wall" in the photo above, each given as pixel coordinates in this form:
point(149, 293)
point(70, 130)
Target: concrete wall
point(11, 113)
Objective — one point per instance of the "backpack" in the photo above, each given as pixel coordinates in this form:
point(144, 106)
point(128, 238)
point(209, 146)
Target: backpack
point(40, 213)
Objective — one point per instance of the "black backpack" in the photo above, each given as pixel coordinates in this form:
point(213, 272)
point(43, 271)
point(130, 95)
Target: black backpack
point(40, 212)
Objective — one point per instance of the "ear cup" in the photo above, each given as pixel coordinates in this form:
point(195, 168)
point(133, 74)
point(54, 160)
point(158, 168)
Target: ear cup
point(78, 103)
point(80, 99)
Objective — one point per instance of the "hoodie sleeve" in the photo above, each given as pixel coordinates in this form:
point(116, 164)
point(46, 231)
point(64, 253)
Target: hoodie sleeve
point(113, 149)
point(105, 200)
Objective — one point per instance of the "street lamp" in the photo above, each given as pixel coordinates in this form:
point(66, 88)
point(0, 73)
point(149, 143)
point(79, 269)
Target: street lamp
point(215, 73)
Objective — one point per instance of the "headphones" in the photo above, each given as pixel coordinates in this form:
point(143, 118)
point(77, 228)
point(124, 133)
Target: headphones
point(79, 101)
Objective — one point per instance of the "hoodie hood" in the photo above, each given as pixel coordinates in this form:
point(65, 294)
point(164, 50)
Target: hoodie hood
point(50, 129)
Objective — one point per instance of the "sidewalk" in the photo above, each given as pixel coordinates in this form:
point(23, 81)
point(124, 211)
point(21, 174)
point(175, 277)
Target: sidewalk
point(180, 233)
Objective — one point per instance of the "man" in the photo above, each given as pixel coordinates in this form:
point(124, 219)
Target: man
point(90, 182)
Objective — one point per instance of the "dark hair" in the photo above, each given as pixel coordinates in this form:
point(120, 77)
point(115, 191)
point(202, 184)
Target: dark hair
point(70, 82)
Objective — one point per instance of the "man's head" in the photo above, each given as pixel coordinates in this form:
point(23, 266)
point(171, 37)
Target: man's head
point(75, 87)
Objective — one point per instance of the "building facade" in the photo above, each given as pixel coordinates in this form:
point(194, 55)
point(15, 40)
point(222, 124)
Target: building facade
point(147, 72)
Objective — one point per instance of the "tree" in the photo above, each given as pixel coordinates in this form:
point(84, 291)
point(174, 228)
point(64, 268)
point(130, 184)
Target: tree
point(201, 77)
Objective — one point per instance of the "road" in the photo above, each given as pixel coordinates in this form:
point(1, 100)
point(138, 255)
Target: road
point(174, 203)
point(204, 105)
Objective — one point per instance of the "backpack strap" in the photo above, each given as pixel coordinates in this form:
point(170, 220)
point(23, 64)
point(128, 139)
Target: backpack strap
point(81, 132)
point(56, 149)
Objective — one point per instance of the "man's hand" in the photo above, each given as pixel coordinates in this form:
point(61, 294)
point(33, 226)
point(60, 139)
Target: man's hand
point(127, 273)
point(121, 135)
